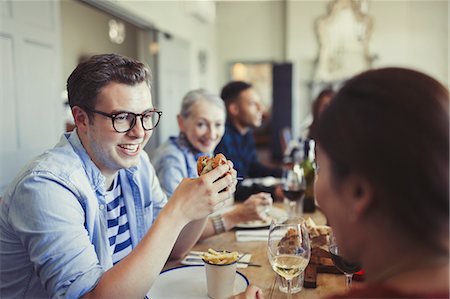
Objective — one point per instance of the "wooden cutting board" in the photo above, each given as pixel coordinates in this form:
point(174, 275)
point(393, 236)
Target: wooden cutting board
point(320, 262)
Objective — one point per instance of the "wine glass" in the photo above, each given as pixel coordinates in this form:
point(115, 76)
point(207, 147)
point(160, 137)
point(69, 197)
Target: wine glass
point(294, 187)
point(346, 267)
point(289, 249)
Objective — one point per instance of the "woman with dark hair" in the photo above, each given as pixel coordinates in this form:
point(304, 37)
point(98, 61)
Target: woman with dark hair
point(383, 181)
point(319, 104)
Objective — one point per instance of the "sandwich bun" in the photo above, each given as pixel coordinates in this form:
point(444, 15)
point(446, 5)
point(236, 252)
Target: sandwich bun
point(205, 164)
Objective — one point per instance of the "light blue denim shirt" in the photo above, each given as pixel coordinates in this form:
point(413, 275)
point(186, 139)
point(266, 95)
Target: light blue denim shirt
point(53, 231)
point(175, 160)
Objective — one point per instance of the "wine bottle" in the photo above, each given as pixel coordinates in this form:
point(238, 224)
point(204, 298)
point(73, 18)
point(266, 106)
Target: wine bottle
point(309, 205)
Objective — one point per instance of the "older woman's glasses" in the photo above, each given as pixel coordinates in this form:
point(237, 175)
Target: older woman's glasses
point(125, 121)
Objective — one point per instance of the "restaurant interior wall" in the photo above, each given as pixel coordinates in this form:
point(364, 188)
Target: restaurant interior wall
point(84, 32)
point(406, 33)
point(175, 18)
point(30, 80)
point(411, 34)
point(248, 31)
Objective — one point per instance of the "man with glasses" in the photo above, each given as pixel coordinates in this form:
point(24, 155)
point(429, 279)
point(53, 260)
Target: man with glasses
point(88, 218)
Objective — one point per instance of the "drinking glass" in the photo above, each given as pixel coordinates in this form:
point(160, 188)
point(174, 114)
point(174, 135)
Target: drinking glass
point(289, 249)
point(346, 267)
point(294, 186)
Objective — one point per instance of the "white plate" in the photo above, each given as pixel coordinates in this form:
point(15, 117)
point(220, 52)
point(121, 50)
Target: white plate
point(188, 282)
point(274, 213)
point(268, 181)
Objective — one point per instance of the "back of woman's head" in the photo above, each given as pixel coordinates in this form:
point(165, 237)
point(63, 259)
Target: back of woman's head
point(196, 95)
point(391, 126)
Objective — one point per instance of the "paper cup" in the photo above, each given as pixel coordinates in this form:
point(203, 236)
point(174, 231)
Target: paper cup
point(220, 279)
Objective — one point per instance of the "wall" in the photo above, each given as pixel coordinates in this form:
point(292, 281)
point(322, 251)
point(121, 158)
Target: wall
point(406, 33)
point(302, 49)
point(30, 72)
point(412, 34)
point(173, 17)
point(84, 30)
point(249, 31)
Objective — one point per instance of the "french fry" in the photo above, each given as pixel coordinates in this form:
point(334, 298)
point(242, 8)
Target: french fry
point(220, 257)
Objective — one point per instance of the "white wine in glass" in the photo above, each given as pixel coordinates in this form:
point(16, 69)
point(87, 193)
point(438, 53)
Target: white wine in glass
point(289, 249)
point(289, 266)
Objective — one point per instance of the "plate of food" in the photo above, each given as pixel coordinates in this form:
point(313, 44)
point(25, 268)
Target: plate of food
point(273, 213)
point(188, 282)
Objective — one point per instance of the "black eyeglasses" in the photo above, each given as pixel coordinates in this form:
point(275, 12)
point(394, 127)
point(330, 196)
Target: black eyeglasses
point(125, 121)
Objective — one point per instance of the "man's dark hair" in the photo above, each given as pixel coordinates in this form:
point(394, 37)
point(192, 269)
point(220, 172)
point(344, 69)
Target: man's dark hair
point(231, 91)
point(90, 76)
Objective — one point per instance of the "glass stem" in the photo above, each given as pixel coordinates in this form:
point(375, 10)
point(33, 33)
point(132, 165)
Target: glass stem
point(289, 288)
point(292, 208)
point(349, 278)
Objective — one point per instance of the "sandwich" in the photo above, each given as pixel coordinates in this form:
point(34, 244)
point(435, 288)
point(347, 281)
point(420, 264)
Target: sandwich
point(205, 164)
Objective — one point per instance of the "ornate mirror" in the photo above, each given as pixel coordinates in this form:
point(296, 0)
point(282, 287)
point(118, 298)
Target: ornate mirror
point(343, 36)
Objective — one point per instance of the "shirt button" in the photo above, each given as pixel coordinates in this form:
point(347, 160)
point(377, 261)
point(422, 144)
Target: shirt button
point(102, 207)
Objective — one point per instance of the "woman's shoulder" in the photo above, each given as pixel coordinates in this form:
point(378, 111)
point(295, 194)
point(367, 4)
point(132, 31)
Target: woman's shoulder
point(167, 150)
point(382, 291)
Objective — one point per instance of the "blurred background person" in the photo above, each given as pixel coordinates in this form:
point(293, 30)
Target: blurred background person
point(244, 113)
point(320, 103)
point(201, 123)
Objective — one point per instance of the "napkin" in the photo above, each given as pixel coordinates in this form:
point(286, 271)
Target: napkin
point(252, 235)
point(195, 258)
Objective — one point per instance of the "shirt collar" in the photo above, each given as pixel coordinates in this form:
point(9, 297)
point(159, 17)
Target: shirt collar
point(230, 126)
point(183, 143)
point(96, 178)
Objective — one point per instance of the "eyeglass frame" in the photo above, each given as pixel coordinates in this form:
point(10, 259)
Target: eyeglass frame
point(114, 115)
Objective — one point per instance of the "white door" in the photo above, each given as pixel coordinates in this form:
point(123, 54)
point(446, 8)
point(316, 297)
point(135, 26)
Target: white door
point(31, 109)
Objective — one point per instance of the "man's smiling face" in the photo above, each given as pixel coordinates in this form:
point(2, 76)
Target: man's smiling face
point(108, 149)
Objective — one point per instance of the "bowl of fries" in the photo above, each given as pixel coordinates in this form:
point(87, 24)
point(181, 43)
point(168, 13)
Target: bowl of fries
point(220, 269)
point(214, 257)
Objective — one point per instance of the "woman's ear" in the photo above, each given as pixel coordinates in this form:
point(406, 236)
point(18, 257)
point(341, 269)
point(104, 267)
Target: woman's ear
point(80, 118)
point(360, 192)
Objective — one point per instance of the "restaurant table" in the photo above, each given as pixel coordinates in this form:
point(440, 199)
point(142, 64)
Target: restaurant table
point(264, 277)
